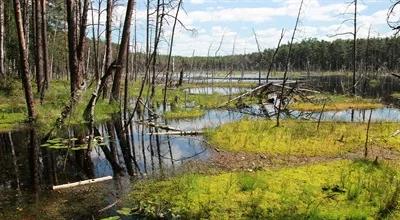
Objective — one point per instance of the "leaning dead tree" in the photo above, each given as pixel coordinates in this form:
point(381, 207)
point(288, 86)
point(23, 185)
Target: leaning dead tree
point(282, 95)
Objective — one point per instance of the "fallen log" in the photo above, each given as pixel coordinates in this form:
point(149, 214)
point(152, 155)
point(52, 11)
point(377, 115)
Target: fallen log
point(396, 75)
point(80, 183)
point(154, 125)
point(245, 94)
point(181, 133)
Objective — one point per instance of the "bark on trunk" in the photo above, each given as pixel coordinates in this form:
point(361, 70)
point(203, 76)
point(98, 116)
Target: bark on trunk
point(122, 51)
point(24, 61)
point(2, 70)
point(39, 46)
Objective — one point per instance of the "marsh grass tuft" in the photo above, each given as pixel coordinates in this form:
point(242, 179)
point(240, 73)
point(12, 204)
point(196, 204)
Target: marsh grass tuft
point(335, 103)
point(358, 190)
point(299, 138)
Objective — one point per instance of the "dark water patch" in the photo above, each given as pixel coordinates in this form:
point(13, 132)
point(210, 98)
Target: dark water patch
point(373, 86)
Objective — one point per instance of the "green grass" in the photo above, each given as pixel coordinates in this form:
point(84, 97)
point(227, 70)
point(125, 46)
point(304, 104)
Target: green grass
point(184, 114)
point(13, 113)
point(395, 95)
point(334, 190)
point(335, 103)
point(300, 138)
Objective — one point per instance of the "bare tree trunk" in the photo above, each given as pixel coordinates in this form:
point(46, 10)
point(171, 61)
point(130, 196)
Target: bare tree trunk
point(274, 55)
point(354, 49)
point(122, 51)
point(44, 49)
point(281, 95)
point(95, 48)
point(158, 25)
point(76, 47)
point(2, 70)
point(170, 55)
point(24, 62)
point(118, 64)
point(107, 63)
point(72, 46)
point(39, 46)
point(260, 57)
point(367, 135)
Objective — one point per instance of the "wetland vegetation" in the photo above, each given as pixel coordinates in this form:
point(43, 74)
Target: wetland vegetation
point(100, 125)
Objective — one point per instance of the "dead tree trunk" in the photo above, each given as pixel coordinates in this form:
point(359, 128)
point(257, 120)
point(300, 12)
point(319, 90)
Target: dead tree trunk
point(115, 93)
point(354, 49)
point(274, 55)
point(2, 70)
point(107, 63)
point(157, 33)
point(24, 61)
point(282, 95)
point(170, 54)
point(260, 54)
point(118, 64)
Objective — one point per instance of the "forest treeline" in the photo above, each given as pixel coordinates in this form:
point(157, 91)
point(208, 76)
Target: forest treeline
point(313, 55)
point(308, 55)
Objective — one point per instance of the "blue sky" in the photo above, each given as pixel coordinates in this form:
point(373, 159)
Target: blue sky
point(236, 19)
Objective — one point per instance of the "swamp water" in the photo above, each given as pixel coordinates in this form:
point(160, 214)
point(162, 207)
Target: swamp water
point(29, 169)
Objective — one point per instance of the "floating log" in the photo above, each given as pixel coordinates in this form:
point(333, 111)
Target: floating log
point(84, 182)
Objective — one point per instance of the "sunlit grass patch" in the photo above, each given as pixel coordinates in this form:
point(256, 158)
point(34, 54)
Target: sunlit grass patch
point(334, 190)
point(334, 103)
point(301, 138)
point(395, 95)
point(13, 112)
point(184, 114)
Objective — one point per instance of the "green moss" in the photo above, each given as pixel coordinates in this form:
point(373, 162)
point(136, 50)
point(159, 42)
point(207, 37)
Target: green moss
point(184, 114)
point(301, 138)
point(395, 95)
point(335, 103)
point(335, 190)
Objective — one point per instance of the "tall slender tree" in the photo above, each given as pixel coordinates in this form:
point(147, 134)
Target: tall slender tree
point(170, 54)
point(353, 88)
point(120, 61)
point(23, 51)
point(43, 13)
point(2, 53)
point(282, 95)
point(76, 44)
point(38, 45)
point(108, 53)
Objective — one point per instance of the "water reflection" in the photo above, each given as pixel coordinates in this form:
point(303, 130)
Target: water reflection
point(216, 90)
